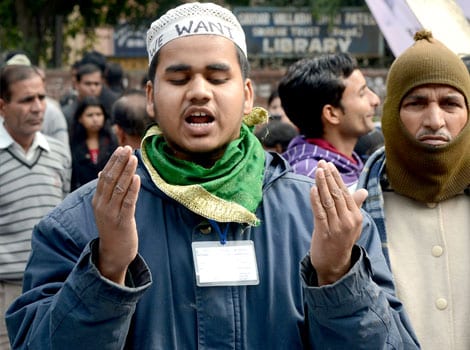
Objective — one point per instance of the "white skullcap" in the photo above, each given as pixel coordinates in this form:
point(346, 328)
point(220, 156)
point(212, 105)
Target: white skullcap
point(194, 19)
point(19, 59)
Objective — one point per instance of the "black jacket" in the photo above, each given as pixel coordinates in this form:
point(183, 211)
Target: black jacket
point(83, 169)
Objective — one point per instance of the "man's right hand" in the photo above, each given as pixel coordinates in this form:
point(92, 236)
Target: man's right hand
point(114, 208)
point(338, 223)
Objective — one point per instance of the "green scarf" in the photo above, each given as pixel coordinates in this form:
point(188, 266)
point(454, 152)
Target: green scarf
point(229, 191)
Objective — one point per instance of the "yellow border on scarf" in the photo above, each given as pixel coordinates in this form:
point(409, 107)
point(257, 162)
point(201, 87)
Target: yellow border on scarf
point(195, 197)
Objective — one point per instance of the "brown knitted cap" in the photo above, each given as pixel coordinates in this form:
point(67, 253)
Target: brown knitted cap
point(413, 169)
point(427, 61)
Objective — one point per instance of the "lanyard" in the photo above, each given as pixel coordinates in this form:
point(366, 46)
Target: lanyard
point(222, 235)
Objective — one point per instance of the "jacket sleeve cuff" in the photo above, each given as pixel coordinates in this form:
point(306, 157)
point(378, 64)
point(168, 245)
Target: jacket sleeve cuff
point(87, 280)
point(137, 275)
point(343, 291)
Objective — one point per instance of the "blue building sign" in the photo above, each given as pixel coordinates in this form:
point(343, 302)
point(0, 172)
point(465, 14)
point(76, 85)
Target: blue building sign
point(129, 41)
point(295, 33)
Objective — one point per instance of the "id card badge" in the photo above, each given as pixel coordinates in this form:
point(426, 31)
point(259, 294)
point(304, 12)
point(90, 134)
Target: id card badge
point(229, 264)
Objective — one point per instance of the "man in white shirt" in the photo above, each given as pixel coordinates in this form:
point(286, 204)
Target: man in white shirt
point(34, 174)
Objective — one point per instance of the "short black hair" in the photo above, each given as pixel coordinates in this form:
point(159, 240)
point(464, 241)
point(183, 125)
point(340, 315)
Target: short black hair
point(114, 76)
point(312, 83)
point(96, 58)
point(130, 113)
point(87, 68)
point(276, 132)
point(274, 94)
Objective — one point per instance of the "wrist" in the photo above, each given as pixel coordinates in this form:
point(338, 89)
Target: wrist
point(108, 267)
point(331, 275)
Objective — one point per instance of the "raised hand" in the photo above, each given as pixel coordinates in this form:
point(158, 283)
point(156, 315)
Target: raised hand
point(338, 223)
point(114, 207)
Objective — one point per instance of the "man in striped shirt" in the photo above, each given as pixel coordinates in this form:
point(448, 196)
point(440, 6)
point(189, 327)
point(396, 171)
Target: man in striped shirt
point(34, 175)
point(328, 99)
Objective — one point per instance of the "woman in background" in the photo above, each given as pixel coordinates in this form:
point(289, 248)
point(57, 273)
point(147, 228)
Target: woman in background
point(91, 141)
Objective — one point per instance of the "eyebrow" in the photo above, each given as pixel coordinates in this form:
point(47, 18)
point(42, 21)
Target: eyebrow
point(186, 67)
point(415, 97)
point(31, 98)
point(454, 96)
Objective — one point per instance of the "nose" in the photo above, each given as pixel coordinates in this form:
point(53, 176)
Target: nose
point(375, 99)
point(434, 117)
point(199, 89)
point(38, 104)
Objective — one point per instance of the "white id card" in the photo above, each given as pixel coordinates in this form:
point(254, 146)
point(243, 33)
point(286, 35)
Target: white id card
point(229, 264)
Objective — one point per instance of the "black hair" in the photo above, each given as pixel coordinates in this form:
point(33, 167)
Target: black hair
point(309, 85)
point(130, 113)
point(369, 143)
point(87, 68)
point(96, 58)
point(275, 133)
point(114, 76)
point(78, 132)
point(274, 94)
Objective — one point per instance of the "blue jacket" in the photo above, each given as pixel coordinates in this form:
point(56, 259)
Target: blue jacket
point(68, 305)
point(372, 178)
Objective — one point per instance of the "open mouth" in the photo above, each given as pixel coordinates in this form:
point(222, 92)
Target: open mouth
point(199, 118)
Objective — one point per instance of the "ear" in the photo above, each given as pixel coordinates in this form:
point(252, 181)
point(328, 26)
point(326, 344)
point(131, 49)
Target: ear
point(331, 115)
point(119, 134)
point(249, 97)
point(149, 95)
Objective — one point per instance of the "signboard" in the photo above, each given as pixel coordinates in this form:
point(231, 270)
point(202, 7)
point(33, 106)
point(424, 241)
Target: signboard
point(399, 20)
point(129, 41)
point(295, 32)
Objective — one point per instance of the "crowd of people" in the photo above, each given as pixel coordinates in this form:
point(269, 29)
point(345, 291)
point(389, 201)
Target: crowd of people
point(180, 215)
